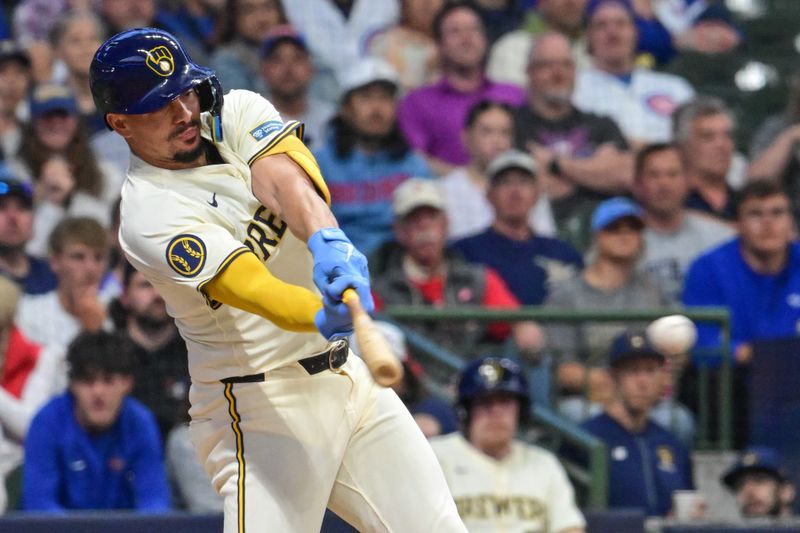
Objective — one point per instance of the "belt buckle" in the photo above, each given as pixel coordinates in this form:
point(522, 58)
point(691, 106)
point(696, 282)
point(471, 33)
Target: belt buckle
point(332, 353)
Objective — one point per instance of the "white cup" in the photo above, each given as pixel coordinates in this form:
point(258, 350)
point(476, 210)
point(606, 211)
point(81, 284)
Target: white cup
point(688, 505)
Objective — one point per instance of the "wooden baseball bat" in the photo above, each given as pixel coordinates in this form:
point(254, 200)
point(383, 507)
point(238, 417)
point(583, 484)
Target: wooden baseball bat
point(385, 368)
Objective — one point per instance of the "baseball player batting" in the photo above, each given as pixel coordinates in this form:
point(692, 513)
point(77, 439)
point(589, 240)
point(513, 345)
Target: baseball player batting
point(224, 210)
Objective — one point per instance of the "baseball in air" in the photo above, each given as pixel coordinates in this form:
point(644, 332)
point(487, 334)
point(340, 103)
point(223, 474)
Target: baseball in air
point(672, 335)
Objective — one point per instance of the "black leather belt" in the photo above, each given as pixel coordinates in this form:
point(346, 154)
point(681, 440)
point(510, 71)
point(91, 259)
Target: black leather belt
point(331, 359)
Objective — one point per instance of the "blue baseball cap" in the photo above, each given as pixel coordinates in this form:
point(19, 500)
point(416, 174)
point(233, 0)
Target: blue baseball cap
point(755, 459)
point(284, 33)
point(12, 187)
point(50, 97)
point(632, 345)
point(613, 209)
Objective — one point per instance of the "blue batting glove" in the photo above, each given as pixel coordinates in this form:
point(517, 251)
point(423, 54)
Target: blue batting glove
point(333, 325)
point(337, 266)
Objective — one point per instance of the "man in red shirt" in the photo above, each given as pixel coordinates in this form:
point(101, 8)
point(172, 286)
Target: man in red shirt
point(423, 271)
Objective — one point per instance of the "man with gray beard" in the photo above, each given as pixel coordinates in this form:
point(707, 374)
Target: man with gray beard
point(161, 372)
point(582, 158)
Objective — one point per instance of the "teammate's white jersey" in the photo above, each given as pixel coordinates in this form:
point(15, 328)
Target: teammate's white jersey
point(526, 492)
point(181, 228)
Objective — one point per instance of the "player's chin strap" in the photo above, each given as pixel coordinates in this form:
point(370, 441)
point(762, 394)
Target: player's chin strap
point(210, 94)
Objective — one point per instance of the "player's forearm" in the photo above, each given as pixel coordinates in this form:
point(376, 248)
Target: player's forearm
point(248, 285)
point(284, 188)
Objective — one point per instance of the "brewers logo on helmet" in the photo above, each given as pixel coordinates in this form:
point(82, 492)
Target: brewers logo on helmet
point(491, 374)
point(144, 69)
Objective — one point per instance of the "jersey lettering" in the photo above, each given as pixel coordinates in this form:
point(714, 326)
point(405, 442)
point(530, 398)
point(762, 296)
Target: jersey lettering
point(490, 507)
point(264, 234)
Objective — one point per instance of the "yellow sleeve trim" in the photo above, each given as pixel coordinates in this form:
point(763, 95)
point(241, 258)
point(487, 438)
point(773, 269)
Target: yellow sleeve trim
point(221, 268)
point(245, 283)
point(292, 145)
point(291, 127)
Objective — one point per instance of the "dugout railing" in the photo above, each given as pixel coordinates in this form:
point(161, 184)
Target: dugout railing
point(714, 430)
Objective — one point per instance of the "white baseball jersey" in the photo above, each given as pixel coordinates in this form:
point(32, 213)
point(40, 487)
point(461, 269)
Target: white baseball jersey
point(642, 108)
point(526, 492)
point(281, 447)
point(181, 228)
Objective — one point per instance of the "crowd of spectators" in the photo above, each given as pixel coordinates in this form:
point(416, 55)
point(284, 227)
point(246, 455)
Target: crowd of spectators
point(486, 152)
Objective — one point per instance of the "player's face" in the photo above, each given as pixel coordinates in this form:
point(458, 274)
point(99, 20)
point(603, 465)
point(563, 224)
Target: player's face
point(662, 186)
point(493, 420)
point(79, 265)
point(56, 129)
point(167, 138)
point(710, 145)
point(620, 241)
point(639, 383)
point(371, 110)
point(143, 303)
point(611, 35)
point(287, 71)
point(78, 45)
point(98, 399)
point(489, 136)
point(16, 223)
point(758, 494)
point(463, 42)
point(551, 70)
point(513, 194)
point(423, 233)
point(564, 15)
point(765, 225)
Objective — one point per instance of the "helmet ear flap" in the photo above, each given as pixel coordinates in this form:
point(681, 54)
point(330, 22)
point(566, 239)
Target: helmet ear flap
point(209, 92)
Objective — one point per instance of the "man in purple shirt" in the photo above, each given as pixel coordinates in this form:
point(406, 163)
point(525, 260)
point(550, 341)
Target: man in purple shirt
point(432, 117)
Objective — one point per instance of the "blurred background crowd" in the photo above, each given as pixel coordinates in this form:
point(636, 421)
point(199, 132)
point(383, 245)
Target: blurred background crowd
point(579, 156)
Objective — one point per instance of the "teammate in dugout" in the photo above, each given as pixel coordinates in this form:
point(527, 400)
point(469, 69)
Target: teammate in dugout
point(500, 483)
point(227, 215)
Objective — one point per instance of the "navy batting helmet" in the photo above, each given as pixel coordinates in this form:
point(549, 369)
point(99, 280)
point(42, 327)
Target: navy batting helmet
point(144, 69)
point(493, 374)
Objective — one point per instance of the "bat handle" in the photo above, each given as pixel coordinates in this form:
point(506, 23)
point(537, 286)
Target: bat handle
point(353, 302)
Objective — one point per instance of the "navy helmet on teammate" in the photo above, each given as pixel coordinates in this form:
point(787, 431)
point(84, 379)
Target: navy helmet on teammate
point(489, 375)
point(144, 69)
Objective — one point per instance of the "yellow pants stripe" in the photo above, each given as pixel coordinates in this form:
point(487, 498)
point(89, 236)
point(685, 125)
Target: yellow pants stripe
point(235, 420)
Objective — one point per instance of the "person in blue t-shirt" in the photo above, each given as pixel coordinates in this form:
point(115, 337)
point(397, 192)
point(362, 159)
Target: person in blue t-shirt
point(95, 447)
point(527, 263)
point(366, 156)
point(32, 274)
point(646, 463)
point(756, 276)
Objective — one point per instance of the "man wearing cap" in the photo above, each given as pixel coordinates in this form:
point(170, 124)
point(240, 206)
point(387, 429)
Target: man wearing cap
point(646, 463)
point(424, 272)
point(759, 482)
point(527, 262)
point(287, 70)
point(366, 156)
point(500, 483)
point(15, 80)
point(639, 100)
point(32, 274)
point(610, 282)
